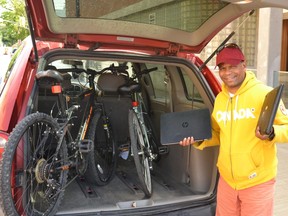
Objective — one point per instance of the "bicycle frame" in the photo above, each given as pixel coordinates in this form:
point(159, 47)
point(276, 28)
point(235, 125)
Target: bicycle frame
point(45, 148)
point(80, 144)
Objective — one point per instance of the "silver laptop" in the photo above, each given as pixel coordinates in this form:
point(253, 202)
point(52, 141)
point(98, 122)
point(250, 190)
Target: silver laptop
point(175, 126)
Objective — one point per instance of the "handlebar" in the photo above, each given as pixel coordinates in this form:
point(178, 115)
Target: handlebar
point(121, 69)
point(117, 70)
point(146, 71)
point(138, 74)
point(114, 69)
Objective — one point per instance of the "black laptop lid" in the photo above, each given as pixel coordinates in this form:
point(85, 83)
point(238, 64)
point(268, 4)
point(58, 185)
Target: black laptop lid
point(269, 109)
point(176, 126)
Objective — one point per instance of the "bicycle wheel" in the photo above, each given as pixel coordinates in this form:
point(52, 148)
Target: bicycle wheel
point(139, 150)
point(102, 159)
point(31, 178)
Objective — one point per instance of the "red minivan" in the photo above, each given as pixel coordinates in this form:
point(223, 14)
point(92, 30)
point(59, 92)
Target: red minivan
point(72, 41)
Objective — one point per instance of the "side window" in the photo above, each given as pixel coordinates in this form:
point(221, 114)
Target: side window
point(160, 88)
point(158, 81)
point(190, 89)
point(5, 74)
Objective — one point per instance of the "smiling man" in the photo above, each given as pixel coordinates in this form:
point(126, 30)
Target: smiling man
point(247, 160)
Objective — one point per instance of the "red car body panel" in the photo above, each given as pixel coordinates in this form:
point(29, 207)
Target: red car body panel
point(16, 93)
point(10, 99)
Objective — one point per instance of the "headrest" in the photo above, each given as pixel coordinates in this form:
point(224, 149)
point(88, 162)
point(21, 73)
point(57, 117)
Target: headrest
point(109, 83)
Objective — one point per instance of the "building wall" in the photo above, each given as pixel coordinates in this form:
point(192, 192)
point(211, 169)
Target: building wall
point(260, 38)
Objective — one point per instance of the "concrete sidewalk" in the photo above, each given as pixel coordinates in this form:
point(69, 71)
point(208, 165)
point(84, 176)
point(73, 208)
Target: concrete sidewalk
point(281, 196)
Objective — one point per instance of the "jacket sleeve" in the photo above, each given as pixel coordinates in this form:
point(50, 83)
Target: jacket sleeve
point(214, 141)
point(281, 124)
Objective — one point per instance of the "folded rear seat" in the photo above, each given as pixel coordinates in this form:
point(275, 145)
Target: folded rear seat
point(115, 104)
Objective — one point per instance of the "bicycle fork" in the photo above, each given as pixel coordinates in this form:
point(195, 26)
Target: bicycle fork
point(147, 149)
point(85, 145)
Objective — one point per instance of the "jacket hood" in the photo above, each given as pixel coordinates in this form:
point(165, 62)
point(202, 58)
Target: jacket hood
point(249, 81)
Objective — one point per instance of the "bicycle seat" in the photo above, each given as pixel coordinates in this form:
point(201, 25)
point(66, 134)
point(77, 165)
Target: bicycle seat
point(128, 89)
point(50, 75)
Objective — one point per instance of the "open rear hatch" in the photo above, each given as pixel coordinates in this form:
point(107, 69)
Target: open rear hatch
point(163, 27)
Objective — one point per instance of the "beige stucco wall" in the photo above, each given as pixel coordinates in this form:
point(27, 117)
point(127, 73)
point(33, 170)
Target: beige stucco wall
point(269, 44)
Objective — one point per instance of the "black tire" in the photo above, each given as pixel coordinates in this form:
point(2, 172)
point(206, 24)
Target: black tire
point(139, 152)
point(30, 183)
point(102, 159)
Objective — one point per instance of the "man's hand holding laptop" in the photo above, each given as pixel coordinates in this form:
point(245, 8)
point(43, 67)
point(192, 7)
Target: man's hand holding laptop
point(189, 141)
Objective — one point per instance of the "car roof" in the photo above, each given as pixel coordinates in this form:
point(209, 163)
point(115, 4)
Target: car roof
point(163, 24)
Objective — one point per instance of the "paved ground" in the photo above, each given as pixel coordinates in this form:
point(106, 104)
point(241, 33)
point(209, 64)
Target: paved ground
point(281, 196)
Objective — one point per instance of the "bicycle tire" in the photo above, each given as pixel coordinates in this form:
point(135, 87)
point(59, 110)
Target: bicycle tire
point(102, 159)
point(140, 156)
point(30, 180)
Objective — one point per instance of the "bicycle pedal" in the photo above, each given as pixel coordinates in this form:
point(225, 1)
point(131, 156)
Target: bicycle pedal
point(163, 150)
point(124, 150)
point(85, 145)
point(124, 147)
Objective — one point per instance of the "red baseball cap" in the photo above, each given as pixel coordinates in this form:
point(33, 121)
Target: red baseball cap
point(230, 55)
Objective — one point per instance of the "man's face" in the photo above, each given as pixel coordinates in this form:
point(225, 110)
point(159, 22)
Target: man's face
point(232, 75)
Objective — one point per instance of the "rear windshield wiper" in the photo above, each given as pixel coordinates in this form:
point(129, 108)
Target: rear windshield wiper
point(225, 41)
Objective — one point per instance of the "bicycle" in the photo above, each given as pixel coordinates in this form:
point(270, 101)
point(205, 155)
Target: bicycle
point(42, 156)
point(144, 142)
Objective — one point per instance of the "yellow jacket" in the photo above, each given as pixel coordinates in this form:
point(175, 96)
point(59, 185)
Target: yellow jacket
point(244, 160)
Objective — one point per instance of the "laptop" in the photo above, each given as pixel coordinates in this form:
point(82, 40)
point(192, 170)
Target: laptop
point(269, 109)
point(175, 126)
